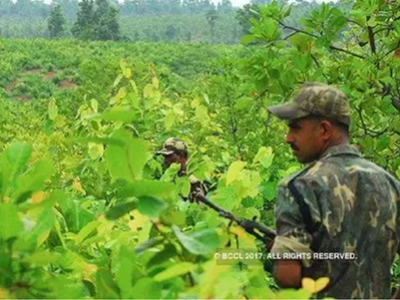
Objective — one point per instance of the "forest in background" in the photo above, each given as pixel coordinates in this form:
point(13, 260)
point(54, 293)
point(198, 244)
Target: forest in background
point(147, 20)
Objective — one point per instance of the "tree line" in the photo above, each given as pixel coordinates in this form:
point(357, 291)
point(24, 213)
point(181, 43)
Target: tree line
point(136, 20)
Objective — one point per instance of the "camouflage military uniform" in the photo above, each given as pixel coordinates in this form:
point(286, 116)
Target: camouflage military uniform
point(174, 145)
point(353, 205)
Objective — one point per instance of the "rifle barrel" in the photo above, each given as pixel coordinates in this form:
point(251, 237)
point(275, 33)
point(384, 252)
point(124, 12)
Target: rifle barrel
point(248, 225)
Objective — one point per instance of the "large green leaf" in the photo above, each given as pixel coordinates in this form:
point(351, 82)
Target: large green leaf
point(168, 252)
point(106, 287)
point(201, 242)
point(120, 210)
point(33, 238)
point(6, 266)
point(124, 268)
point(75, 215)
point(41, 258)
point(148, 188)
point(175, 270)
point(226, 197)
point(234, 171)
point(86, 231)
point(127, 162)
point(33, 180)
point(146, 288)
point(10, 224)
point(151, 207)
point(125, 116)
point(12, 163)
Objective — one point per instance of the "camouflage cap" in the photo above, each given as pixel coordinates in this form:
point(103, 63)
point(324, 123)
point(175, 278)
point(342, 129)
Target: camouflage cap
point(173, 145)
point(315, 99)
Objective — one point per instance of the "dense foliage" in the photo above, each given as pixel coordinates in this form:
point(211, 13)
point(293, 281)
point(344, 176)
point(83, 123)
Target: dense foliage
point(88, 211)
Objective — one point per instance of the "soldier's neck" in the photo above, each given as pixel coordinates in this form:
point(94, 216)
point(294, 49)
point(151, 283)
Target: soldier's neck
point(337, 141)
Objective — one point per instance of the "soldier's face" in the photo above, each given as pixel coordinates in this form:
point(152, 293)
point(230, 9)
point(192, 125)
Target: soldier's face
point(306, 139)
point(170, 159)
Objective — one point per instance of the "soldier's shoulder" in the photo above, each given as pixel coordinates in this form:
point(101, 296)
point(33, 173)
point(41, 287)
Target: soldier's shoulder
point(317, 171)
point(296, 175)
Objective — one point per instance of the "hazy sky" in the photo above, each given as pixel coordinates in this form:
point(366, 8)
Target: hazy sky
point(234, 2)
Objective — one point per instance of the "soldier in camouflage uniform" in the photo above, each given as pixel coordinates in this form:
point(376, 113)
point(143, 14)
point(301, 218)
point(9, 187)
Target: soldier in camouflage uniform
point(338, 203)
point(176, 151)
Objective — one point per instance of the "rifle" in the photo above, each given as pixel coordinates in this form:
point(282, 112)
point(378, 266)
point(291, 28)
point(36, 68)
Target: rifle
point(260, 231)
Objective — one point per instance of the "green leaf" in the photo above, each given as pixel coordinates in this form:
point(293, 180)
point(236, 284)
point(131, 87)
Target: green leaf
point(124, 264)
point(243, 103)
point(174, 271)
point(128, 73)
point(148, 91)
point(138, 154)
point(247, 39)
point(6, 267)
point(146, 288)
point(234, 171)
point(33, 180)
point(95, 150)
point(168, 252)
point(202, 242)
point(169, 120)
point(42, 257)
point(269, 190)
point(202, 115)
point(383, 143)
point(124, 116)
point(127, 162)
point(118, 79)
point(120, 210)
point(171, 172)
point(152, 188)
point(225, 197)
point(52, 109)
point(120, 95)
point(86, 231)
point(264, 156)
point(12, 163)
point(106, 287)
point(151, 207)
point(10, 224)
point(43, 227)
point(94, 104)
point(30, 240)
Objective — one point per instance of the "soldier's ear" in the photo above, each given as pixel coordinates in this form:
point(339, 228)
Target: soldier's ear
point(326, 129)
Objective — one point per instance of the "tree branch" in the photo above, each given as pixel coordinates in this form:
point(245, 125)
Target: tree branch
point(354, 22)
point(346, 51)
point(370, 132)
point(371, 40)
point(316, 37)
point(290, 35)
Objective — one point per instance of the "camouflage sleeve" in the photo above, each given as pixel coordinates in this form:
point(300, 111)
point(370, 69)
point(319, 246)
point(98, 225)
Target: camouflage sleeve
point(196, 186)
point(292, 236)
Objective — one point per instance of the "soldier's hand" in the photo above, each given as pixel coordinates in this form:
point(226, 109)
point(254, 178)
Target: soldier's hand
point(195, 189)
point(193, 194)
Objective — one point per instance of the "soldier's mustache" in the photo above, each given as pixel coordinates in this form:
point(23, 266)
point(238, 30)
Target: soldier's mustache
point(294, 147)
